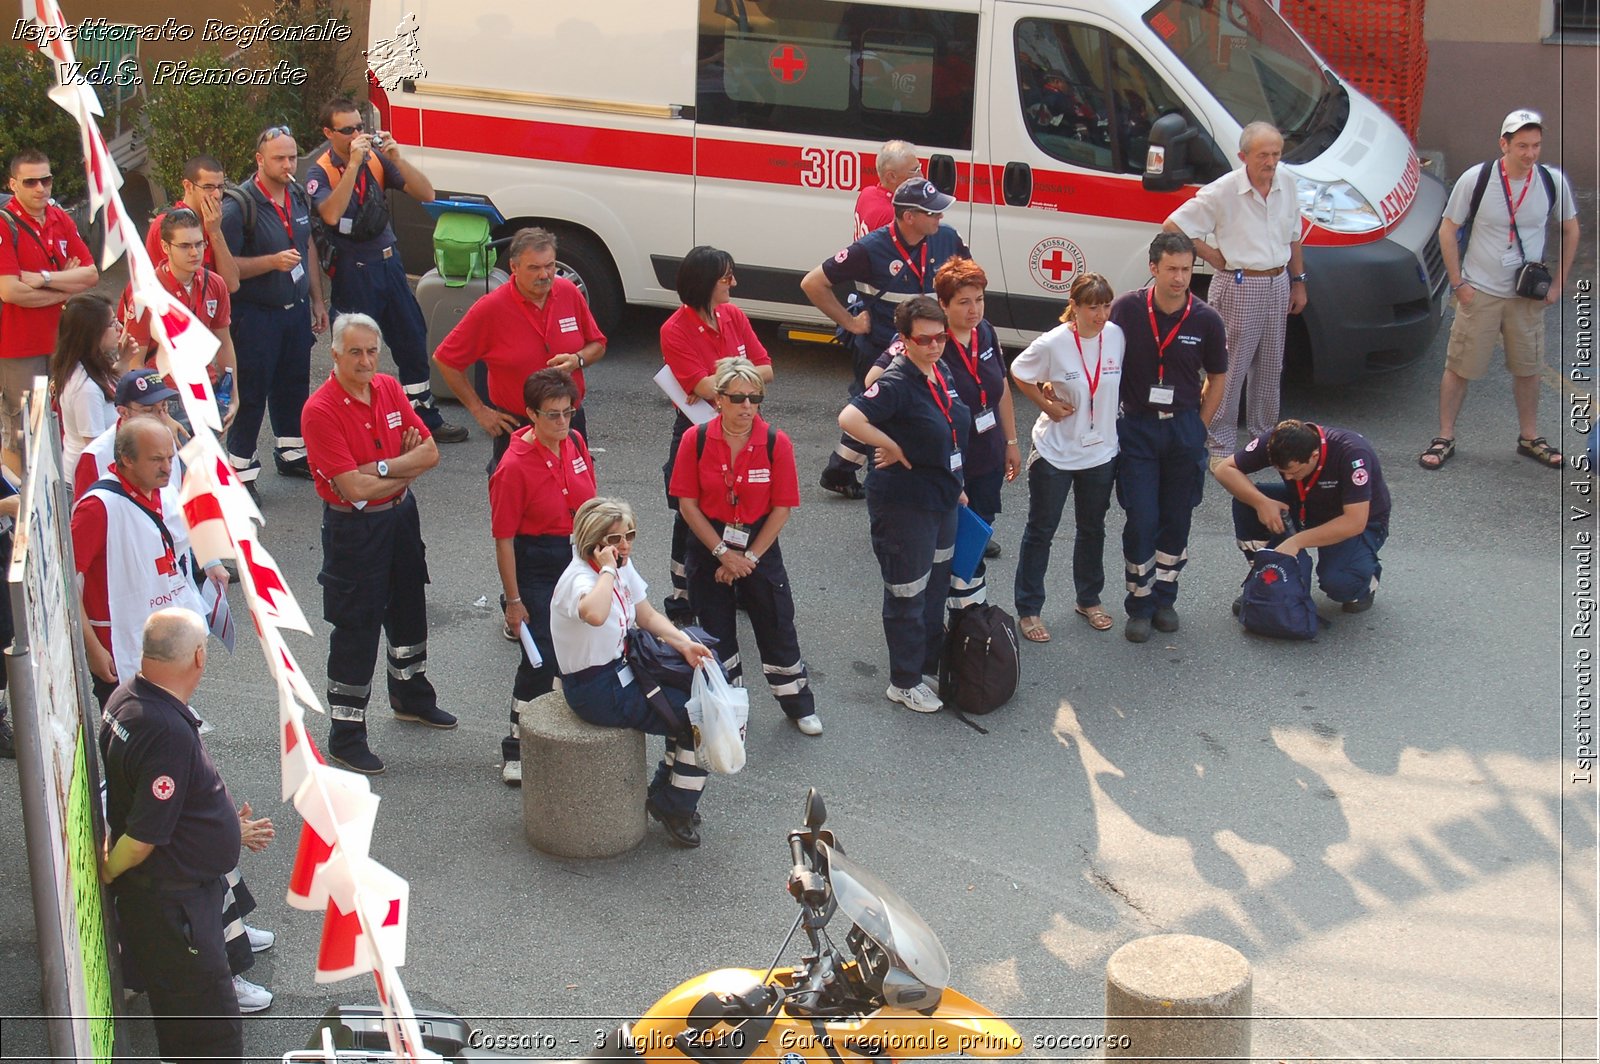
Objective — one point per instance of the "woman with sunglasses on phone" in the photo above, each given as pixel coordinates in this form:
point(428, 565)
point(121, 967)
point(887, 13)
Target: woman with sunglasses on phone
point(735, 484)
point(84, 371)
point(546, 474)
point(598, 600)
point(705, 330)
point(919, 426)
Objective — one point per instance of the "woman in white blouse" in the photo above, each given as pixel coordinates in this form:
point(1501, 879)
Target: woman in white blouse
point(597, 602)
point(84, 372)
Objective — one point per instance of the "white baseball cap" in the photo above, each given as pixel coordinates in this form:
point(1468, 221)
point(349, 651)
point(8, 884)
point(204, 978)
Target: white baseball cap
point(1519, 120)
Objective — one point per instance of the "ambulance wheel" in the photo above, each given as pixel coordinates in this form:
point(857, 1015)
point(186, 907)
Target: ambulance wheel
point(583, 261)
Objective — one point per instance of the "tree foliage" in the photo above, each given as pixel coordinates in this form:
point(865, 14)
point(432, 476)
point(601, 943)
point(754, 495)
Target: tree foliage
point(332, 69)
point(182, 121)
point(29, 119)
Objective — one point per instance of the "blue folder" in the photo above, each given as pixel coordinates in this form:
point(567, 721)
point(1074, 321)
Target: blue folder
point(972, 535)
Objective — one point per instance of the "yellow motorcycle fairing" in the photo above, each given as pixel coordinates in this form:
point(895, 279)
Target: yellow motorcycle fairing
point(958, 1025)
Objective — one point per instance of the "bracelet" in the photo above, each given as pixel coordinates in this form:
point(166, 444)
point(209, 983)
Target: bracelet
point(1011, 443)
point(1458, 284)
point(612, 569)
point(510, 601)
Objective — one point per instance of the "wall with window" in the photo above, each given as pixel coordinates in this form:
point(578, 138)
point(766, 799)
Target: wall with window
point(1488, 57)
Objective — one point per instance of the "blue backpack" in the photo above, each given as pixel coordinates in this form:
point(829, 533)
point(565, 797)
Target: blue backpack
point(1276, 600)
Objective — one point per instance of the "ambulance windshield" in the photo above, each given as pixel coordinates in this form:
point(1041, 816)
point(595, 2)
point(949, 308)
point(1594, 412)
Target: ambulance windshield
point(1255, 65)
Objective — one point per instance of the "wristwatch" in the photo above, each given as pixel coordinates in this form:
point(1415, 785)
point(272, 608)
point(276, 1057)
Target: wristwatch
point(719, 550)
point(1297, 278)
point(46, 275)
point(383, 468)
point(581, 362)
point(752, 557)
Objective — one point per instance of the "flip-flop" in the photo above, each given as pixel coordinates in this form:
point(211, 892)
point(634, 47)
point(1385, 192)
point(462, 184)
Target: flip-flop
point(1033, 630)
point(1540, 451)
point(1097, 617)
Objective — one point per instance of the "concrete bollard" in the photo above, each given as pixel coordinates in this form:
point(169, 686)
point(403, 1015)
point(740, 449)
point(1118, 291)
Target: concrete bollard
point(1177, 997)
point(583, 786)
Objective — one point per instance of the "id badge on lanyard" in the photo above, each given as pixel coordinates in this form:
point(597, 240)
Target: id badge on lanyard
point(736, 535)
point(984, 421)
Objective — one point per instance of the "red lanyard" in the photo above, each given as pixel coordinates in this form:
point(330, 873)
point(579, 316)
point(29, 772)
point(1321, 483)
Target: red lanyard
point(916, 271)
point(363, 176)
point(26, 220)
point(283, 212)
point(1162, 345)
point(616, 593)
point(543, 330)
point(558, 468)
point(971, 362)
point(1513, 208)
point(1094, 381)
point(1303, 487)
point(941, 399)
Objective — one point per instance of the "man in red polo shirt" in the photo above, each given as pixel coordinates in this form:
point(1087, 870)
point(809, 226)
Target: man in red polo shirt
point(43, 262)
point(199, 288)
point(539, 321)
point(203, 182)
point(365, 445)
point(897, 163)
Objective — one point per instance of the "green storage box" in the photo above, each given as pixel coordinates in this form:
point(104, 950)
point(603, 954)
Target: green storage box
point(461, 247)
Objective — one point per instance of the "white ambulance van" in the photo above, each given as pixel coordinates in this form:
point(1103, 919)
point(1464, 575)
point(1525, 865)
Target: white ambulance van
point(637, 129)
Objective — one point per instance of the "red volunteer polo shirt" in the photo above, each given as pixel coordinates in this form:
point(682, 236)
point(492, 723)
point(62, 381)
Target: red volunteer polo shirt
point(29, 331)
point(206, 297)
point(514, 338)
point(342, 432)
point(152, 239)
point(692, 350)
point(535, 493)
point(757, 484)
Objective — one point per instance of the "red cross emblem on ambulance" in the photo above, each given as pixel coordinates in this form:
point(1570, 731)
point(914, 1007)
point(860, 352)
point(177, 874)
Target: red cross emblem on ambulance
point(787, 63)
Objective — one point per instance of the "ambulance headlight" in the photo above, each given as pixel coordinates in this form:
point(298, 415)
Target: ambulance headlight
point(1338, 206)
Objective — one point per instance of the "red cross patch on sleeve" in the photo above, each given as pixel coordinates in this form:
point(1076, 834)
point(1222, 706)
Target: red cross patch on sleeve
point(163, 787)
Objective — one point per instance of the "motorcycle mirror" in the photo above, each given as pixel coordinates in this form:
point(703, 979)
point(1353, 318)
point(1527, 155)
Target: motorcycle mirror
point(816, 812)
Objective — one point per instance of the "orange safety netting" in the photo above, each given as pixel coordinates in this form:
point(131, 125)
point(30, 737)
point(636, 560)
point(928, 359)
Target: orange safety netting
point(1377, 45)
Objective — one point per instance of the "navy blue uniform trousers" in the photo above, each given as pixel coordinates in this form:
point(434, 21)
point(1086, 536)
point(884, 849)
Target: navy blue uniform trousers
point(1161, 472)
point(914, 548)
point(1346, 571)
point(599, 697)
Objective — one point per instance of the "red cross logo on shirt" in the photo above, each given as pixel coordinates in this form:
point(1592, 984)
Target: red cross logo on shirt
point(163, 787)
point(1056, 265)
point(788, 64)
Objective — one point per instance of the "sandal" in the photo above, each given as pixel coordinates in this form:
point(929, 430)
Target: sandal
point(1033, 630)
point(1097, 617)
point(1540, 451)
point(1439, 450)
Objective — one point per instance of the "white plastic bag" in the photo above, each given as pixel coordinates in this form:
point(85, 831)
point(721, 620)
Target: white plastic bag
point(718, 712)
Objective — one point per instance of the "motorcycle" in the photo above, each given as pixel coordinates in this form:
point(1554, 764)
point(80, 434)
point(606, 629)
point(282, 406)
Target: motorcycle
point(882, 995)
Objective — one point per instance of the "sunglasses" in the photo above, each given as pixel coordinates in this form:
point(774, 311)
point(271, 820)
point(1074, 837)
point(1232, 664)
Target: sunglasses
point(936, 340)
point(272, 133)
point(617, 539)
point(726, 278)
point(756, 399)
point(349, 131)
point(35, 182)
point(558, 415)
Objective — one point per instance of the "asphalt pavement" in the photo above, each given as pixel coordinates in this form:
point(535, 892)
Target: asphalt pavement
point(1381, 820)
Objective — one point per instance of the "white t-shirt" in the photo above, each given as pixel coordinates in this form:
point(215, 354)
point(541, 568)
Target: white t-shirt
point(85, 414)
point(1054, 357)
point(578, 644)
point(1484, 262)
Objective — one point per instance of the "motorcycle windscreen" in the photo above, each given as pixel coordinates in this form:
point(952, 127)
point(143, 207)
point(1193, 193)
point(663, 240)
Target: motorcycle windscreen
point(888, 920)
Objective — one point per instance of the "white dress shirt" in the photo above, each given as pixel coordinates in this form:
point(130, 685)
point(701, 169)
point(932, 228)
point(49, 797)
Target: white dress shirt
point(1252, 232)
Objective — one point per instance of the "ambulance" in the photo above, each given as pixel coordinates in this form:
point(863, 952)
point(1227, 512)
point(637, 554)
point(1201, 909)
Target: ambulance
point(1067, 130)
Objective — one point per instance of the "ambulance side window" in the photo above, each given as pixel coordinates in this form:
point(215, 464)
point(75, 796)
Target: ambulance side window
point(1087, 98)
point(819, 67)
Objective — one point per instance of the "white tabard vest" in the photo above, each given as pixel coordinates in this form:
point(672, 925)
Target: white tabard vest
point(102, 449)
point(140, 578)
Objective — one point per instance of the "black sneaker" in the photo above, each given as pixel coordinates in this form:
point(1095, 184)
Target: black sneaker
point(445, 432)
point(1165, 619)
point(844, 485)
point(680, 829)
point(991, 550)
point(300, 469)
point(358, 759)
point(1238, 605)
point(8, 741)
point(1137, 630)
point(1360, 605)
point(433, 717)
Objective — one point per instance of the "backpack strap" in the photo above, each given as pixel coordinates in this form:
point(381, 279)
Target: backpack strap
point(700, 441)
point(247, 214)
point(1484, 173)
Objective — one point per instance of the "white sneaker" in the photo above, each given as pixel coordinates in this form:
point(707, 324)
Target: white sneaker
point(511, 774)
point(809, 725)
point(252, 998)
point(260, 941)
point(918, 699)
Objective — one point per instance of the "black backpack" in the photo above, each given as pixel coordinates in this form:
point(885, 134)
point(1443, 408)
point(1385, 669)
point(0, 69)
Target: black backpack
point(700, 441)
point(247, 213)
point(980, 668)
point(1276, 597)
point(1485, 172)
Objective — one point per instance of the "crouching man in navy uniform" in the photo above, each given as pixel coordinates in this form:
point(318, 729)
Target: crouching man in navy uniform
point(1332, 487)
point(366, 445)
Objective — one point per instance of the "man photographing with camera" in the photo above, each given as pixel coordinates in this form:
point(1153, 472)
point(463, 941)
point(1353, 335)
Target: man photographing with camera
point(1492, 233)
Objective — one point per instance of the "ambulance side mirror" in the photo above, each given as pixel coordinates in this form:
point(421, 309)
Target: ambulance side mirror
point(1166, 165)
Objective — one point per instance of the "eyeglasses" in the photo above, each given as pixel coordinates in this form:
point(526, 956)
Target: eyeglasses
point(936, 340)
point(34, 182)
point(617, 539)
point(272, 133)
point(209, 188)
point(726, 278)
point(348, 131)
point(558, 415)
point(737, 398)
point(201, 246)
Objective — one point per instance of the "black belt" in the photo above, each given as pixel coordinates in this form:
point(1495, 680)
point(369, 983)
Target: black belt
point(145, 881)
point(371, 507)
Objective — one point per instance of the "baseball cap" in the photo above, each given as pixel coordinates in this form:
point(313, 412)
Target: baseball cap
point(143, 386)
point(922, 194)
point(1519, 120)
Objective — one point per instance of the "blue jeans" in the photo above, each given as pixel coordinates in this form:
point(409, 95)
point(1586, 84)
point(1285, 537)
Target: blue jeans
point(1346, 571)
point(1048, 488)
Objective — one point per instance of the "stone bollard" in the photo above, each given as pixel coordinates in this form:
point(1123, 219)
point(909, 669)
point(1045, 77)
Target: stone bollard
point(583, 786)
point(1157, 986)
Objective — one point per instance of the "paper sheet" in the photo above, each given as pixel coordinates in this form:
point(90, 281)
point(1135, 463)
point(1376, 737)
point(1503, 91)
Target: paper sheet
point(698, 412)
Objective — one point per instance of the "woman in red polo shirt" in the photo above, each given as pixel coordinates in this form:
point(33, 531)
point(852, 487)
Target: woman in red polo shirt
point(735, 483)
point(545, 476)
point(708, 327)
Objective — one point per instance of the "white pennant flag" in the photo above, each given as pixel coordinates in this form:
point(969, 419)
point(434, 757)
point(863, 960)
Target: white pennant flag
point(265, 588)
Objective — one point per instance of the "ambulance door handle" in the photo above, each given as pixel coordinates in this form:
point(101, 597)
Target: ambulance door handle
point(942, 172)
point(1017, 184)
